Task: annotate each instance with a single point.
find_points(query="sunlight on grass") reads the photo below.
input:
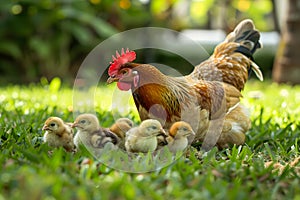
(279, 102)
(34, 98)
(116, 101)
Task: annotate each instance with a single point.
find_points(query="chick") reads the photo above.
(178, 136)
(120, 127)
(161, 140)
(91, 134)
(143, 138)
(58, 134)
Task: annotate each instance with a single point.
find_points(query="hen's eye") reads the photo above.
(52, 124)
(124, 72)
(113, 76)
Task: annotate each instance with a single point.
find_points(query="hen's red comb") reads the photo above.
(127, 56)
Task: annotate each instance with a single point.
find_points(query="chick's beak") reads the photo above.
(189, 133)
(162, 131)
(74, 125)
(111, 80)
(192, 133)
(45, 127)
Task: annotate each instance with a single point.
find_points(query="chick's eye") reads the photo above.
(184, 129)
(154, 127)
(83, 121)
(52, 124)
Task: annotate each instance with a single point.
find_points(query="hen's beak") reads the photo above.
(111, 80)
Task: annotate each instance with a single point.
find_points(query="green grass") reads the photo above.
(29, 172)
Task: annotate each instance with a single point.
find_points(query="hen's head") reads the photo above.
(121, 70)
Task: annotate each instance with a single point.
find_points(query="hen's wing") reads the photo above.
(217, 97)
(216, 100)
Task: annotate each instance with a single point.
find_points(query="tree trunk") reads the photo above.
(287, 63)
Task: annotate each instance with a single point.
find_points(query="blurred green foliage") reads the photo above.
(51, 37)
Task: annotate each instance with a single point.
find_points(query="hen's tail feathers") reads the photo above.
(255, 68)
(246, 34)
(248, 37)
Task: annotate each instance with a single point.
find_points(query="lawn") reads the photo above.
(28, 171)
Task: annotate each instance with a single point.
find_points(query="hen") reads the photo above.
(208, 98)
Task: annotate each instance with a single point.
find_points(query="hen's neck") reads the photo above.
(158, 95)
(150, 75)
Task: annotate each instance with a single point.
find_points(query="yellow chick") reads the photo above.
(90, 134)
(143, 138)
(58, 134)
(120, 127)
(178, 136)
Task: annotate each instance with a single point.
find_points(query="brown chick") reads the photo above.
(91, 134)
(58, 134)
(120, 127)
(143, 138)
(178, 136)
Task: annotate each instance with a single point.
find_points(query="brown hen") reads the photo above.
(208, 98)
